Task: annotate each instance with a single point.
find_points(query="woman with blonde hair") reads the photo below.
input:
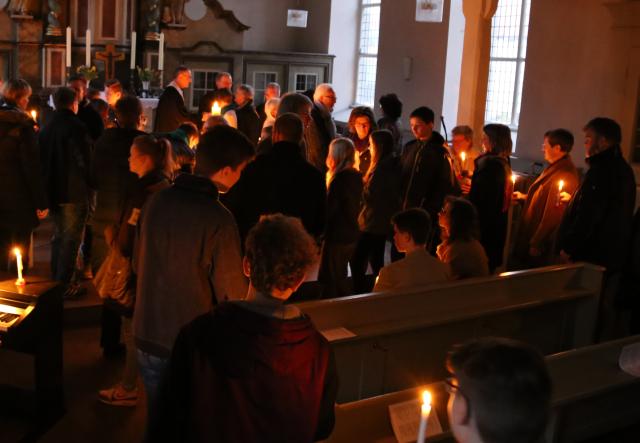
(344, 191)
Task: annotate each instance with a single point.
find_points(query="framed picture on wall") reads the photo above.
(429, 10)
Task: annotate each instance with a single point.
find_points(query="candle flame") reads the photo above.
(216, 109)
(463, 156)
(560, 185)
(426, 398)
(514, 177)
(34, 114)
(16, 252)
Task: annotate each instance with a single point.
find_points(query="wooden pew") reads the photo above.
(591, 397)
(401, 338)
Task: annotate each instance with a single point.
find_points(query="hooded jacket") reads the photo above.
(237, 375)
(22, 190)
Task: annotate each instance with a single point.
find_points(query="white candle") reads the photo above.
(514, 177)
(161, 52)
(463, 158)
(20, 281)
(216, 109)
(425, 411)
(87, 49)
(132, 65)
(68, 49)
(560, 188)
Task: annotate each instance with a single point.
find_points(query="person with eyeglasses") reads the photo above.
(499, 392)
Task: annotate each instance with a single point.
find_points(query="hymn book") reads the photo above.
(405, 421)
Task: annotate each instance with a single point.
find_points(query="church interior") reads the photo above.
(529, 65)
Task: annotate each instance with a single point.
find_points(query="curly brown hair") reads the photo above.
(280, 252)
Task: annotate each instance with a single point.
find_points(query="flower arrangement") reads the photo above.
(146, 74)
(88, 72)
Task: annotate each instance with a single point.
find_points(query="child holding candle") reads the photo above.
(544, 204)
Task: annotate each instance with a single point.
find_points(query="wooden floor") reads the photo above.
(85, 372)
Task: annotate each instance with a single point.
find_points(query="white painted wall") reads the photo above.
(343, 43)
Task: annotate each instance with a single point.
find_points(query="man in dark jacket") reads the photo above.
(22, 196)
(248, 119)
(86, 112)
(597, 225)
(65, 154)
(223, 80)
(187, 257)
(426, 173)
(172, 111)
(254, 370)
(324, 99)
(280, 181)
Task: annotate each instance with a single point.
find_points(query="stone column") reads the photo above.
(474, 75)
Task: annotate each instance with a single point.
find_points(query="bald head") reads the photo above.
(288, 127)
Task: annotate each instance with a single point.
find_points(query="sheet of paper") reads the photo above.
(405, 421)
(629, 360)
(337, 334)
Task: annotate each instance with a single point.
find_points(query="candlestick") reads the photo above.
(161, 52)
(87, 49)
(425, 411)
(132, 65)
(559, 197)
(20, 281)
(68, 47)
(216, 109)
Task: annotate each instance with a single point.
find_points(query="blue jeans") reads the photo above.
(69, 219)
(151, 369)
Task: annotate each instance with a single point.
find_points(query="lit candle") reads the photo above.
(560, 187)
(68, 48)
(514, 177)
(425, 411)
(20, 281)
(161, 52)
(463, 158)
(87, 49)
(132, 65)
(216, 109)
(34, 115)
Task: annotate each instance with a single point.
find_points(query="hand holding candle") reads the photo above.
(514, 177)
(463, 161)
(425, 411)
(216, 109)
(20, 281)
(34, 115)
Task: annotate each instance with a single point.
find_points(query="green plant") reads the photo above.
(88, 72)
(146, 74)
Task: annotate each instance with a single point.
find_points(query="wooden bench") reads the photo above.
(401, 338)
(591, 397)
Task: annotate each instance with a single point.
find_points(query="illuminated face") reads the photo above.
(486, 143)
(460, 143)
(420, 129)
(224, 82)
(271, 92)
(400, 239)
(183, 80)
(362, 126)
(591, 143)
(551, 153)
(328, 99)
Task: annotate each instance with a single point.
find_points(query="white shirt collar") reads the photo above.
(173, 84)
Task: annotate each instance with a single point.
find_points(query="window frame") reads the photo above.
(260, 92)
(309, 74)
(520, 66)
(192, 87)
(363, 6)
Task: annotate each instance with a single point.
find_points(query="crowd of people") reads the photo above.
(199, 233)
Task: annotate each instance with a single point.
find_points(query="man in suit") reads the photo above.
(543, 204)
(248, 119)
(411, 230)
(172, 111)
(324, 99)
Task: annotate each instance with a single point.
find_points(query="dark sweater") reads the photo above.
(343, 205)
(187, 259)
(239, 376)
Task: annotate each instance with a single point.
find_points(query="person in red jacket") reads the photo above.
(257, 369)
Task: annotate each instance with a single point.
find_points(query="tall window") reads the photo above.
(260, 81)
(509, 31)
(368, 52)
(204, 80)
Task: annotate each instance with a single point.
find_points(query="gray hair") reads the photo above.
(321, 90)
(293, 102)
(343, 153)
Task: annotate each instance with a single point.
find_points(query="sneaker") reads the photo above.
(118, 396)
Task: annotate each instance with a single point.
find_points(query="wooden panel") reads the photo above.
(82, 16)
(109, 19)
(56, 68)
